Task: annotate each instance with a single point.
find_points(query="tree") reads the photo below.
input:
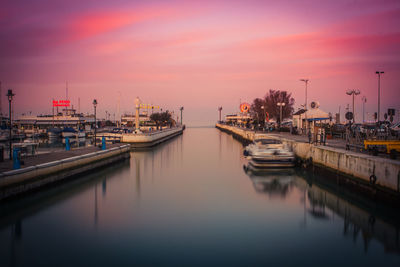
(162, 118)
(273, 98)
(256, 112)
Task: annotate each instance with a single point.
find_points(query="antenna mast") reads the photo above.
(66, 89)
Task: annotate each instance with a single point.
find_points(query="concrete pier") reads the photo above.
(145, 140)
(359, 167)
(48, 168)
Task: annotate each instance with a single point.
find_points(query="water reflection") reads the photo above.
(189, 202)
(271, 182)
(15, 212)
(359, 221)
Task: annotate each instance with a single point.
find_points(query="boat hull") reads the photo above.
(272, 162)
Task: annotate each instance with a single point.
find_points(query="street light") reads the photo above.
(181, 109)
(10, 97)
(364, 100)
(353, 93)
(280, 105)
(95, 123)
(219, 109)
(305, 103)
(379, 92)
(263, 117)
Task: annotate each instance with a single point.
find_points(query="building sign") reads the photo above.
(148, 106)
(244, 107)
(61, 103)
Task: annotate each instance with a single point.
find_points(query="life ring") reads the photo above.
(372, 179)
(244, 107)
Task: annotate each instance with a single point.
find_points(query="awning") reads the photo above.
(317, 119)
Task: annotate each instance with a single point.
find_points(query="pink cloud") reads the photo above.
(91, 24)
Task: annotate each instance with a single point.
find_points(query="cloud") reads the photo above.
(91, 24)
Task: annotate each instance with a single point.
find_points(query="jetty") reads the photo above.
(43, 169)
(150, 139)
(367, 172)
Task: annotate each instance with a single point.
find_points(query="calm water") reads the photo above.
(189, 202)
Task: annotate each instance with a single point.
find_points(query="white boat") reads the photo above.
(269, 153)
(69, 132)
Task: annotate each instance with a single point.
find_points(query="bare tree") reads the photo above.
(271, 104)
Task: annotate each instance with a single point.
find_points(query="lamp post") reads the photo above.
(353, 93)
(10, 97)
(181, 109)
(219, 109)
(305, 103)
(364, 100)
(95, 123)
(263, 117)
(280, 105)
(379, 92)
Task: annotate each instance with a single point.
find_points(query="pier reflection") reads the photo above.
(15, 212)
(360, 220)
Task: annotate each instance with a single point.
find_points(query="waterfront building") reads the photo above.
(237, 119)
(128, 120)
(66, 118)
(305, 119)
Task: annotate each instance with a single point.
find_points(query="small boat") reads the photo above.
(269, 153)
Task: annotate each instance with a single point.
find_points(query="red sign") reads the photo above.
(61, 103)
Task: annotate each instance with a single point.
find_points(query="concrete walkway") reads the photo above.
(336, 143)
(7, 165)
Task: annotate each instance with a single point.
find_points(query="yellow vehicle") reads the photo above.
(391, 147)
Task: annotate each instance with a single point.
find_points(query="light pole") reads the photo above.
(95, 123)
(353, 93)
(379, 92)
(305, 103)
(364, 100)
(220, 109)
(280, 105)
(263, 115)
(10, 97)
(181, 109)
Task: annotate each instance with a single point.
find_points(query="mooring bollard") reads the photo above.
(67, 145)
(103, 143)
(16, 159)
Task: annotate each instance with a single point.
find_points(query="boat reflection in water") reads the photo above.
(362, 219)
(274, 182)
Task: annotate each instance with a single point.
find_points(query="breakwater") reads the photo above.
(46, 170)
(368, 172)
(146, 140)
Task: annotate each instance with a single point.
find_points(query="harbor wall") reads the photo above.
(26, 179)
(151, 139)
(356, 165)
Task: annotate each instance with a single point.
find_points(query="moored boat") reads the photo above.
(269, 153)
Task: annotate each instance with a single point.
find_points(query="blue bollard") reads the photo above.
(16, 159)
(103, 143)
(67, 145)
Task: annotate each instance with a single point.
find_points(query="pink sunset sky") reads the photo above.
(199, 55)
